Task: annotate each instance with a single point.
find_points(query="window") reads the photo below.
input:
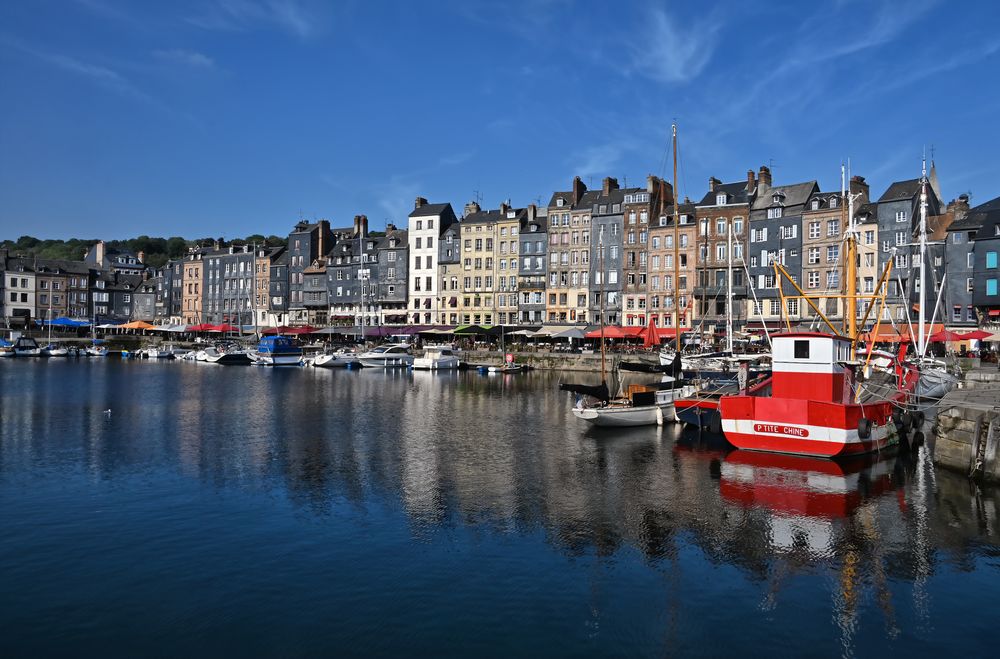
(815, 204)
(737, 225)
(833, 227)
(885, 245)
(720, 199)
(900, 238)
(991, 286)
(832, 277)
(991, 260)
(775, 307)
(759, 235)
(832, 253)
(970, 260)
(801, 349)
(901, 216)
(968, 284)
(813, 279)
(720, 226)
(789, 231)
(869, 237)
(793, 307)
(814, 229)
(773, 213)
(813, 255)
(901, 260)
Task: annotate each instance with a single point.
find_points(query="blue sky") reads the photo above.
(230, 117)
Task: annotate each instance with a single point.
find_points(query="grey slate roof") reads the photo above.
(793, 195)
(736, 193)
(985, 214)
(493, 216)
(429, 209)
(566, 196)
(901, 190)
(866, 214)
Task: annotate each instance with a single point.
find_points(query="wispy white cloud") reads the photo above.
(454, 159)
(190, 58)
(396, 198)
(597, 160)
(668, 52)
(291, 16)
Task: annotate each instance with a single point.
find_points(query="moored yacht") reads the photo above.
(336, 359)
(394, 355)
(437, 358)
(278, 351)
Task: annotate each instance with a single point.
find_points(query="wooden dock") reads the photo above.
(967, 432)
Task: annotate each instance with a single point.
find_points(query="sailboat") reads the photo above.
(636, 404)
(52, 349)
(935, 379)
(822, 402)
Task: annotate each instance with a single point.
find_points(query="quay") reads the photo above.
(967, 429)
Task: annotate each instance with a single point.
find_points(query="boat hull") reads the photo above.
(625, 416)
(280, 359)
(388, 362)
(701, 414)
(443, 364)
(806, 427)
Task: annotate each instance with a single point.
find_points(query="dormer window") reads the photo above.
(776, 199)
(815, 204)
(773, 213)
(833, 202)
(720, 199)
(511, 215)
(560, 202)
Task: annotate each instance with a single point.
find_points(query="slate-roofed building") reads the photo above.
(569, 231)
(639, 207)
(19, 306)
(532, 271)
(724, 210)
(390, 275)
(775, 236)
(866, 224)
(426, 224)
(985, 221)
(100, 257)
(278, 289)
(672, 301)
(350, 271)
(228, 285)
(489, 264)
(450, 273)
(604, 253)
(824, 222)
(898, 221)
(306, 243)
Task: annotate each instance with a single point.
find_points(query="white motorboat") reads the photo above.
(437, 358)
(337, 359)
(6, 349)
(226, 357)
(393, 355)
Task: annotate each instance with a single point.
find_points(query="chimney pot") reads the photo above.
(713, 183)
(609, 185)
(578, 189)
(420, 201)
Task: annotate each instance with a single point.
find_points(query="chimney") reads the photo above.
(215, 245)
(764, 177)
(357, 225)
(504, 207)
(859, 186)
(420, 201)
(652, 183)
(389, 226)
(246, 248)
(99, 253)
(751, 182)
(232, 249)
(713, 183)
(470, 208)
(578, 189)
(609, 185)
(364, 225)
(323, 237)
(532, 212)
(141, 256)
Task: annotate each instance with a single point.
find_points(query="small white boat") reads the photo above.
(226, 357)
(337, 359)
(393, 355)
(935, 379)
(54, 350)
(642, 405)
(6, 349)
(437, 358)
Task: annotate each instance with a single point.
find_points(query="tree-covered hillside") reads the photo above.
(157, 250)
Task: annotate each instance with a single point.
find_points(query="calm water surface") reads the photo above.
(266, 512)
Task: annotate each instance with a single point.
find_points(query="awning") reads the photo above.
(616, 332)
(137, 324)
(994, 312)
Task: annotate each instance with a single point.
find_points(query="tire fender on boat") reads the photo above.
(864, 428)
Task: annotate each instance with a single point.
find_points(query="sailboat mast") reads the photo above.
(729, 291)
(361, 276)
(922, 345)
(600, 268)
(677, 265)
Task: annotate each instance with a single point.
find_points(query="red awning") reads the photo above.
(994, 312)
(616, 332)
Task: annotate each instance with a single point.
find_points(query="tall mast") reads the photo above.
(729, 291)
(677, 265)
(361, 276)
(922, 345)
(600, 269)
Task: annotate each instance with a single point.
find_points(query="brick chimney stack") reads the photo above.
(578, 189)
(751, 182)
(470, 208)
(713, 183)
(99, 252)
(609, 185)
(764, 177)
(504, 207)
(420, 201)
(858, 185)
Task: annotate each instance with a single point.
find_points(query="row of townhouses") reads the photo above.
(611, 250)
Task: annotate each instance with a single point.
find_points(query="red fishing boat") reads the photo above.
(823, 400)
(817, 405)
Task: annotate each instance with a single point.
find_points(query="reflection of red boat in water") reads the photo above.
(801, 486)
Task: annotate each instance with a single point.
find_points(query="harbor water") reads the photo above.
(183, 509)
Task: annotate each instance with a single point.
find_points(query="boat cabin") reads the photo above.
(812, 366)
